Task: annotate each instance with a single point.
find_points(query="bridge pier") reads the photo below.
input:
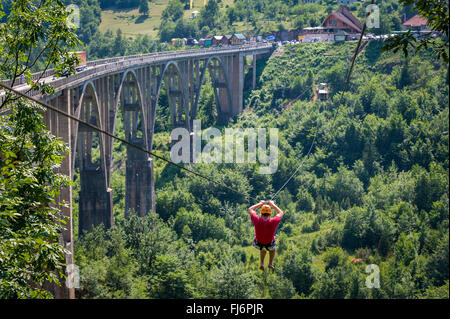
(61, 126)
(254, 73)
(139, 194)
(139, 181)
(95, 201)
(237, 84)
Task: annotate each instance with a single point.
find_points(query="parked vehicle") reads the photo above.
(82, 64)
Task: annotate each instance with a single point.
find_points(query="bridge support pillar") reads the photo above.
(95, 201)
(64, 131)
(61, 126)
(237, 84)
(139, 182)
(254, 73)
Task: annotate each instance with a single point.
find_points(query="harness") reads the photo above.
(266, 246)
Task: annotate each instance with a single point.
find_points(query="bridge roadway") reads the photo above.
(131, 85)
(98, 67)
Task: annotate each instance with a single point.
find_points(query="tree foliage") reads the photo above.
(31, 222)
(31, 255)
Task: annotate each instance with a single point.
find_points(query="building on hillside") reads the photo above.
(340, 36)
(217, 40)
(227, 37)
(207, 42)
(316, 34)
(194, 14)
(238, 39)
(287, 35)
(416, 23)
(342, 20)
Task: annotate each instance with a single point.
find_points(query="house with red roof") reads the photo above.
(416, 23)
(342, 20)
(337, 26)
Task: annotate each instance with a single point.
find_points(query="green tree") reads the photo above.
(436, 14)
(109, 268)
(231, 15)
(230, 281)
(30, 218)
(143, 7)
(209, 14)
(439, 263)
(31, 36)
(297, 268)
(207, 106)
(90, 18)
(333, 284)
(173, 11)
(119, 44)
(280, 287)
(203, 226)
(147, 237)
(405, 75)
(169, 279)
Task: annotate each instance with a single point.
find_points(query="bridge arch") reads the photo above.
(88, 110)
(137, 104)
(94, 199)
(177, 94)
(130, 103)
(216, 86)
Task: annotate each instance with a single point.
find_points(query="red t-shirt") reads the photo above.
(265, 229)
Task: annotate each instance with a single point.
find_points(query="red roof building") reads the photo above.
(416, 23)
(342, 20)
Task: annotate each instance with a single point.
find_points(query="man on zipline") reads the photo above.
(265, 228)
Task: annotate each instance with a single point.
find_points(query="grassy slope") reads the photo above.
(131, 23)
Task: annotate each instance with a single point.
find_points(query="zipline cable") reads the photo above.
(340, 101)
(304, 158)
(95, 128)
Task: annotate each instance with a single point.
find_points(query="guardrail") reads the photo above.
(35, 77)
(114, 64)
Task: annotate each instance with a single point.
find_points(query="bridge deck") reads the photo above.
(98, 68)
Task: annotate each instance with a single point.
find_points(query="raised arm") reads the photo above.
(251, 209)
(277, 209)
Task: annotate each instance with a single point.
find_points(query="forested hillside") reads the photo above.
(168, 19)
(116, 27)
(374, 190)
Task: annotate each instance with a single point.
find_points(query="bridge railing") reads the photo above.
(172, 53)
(35, 77)
(117, 63)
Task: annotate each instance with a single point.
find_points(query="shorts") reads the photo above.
(270, 246)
